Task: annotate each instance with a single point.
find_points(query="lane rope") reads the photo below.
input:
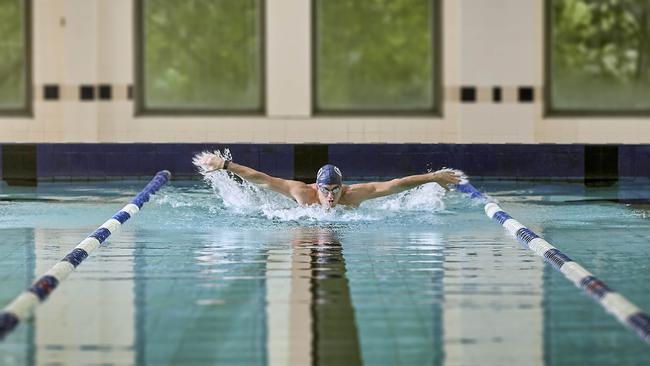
(626, 312)
(22, 306)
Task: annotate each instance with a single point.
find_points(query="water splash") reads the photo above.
(243, 198)
(199, 159)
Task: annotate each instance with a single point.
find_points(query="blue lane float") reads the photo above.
(21, 308)
(614, 303)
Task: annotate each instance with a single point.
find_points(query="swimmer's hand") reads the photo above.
(447, 178)
(208, 162)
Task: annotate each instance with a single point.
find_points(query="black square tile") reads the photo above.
(467, 94)
(526, 94)
(129, 92)
(87, 92)
(496, 94)
(51, 92)
(105, 92)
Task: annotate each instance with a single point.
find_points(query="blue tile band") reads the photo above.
(23, 305)
(626, 312)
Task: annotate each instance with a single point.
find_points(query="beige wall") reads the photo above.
(486, 43)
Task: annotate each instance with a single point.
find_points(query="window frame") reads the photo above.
(549, 110)
(27, 110)
(139, 93)
(436, 65)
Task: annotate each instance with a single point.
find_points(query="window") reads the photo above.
(376, 56)
(199, 56)
(598, 57)
(14, 57)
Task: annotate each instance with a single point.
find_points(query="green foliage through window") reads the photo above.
(375, 55)
(202, 55)
(600, 55)
(13, 63)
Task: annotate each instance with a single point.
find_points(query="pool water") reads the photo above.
(221, 273)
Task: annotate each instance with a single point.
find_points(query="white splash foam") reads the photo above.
(427, 197)
(316, 213)
(244, 198)
(199, 159)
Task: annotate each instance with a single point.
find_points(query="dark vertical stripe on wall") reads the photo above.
(601, 165)
(306, 161)
(19, 164)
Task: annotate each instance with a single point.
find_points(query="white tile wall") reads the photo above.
(485, 43)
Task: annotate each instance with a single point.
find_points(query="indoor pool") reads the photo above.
(219, 273)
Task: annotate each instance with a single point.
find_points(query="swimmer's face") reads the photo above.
(329, 194)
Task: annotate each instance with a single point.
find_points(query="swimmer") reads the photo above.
(329, 190)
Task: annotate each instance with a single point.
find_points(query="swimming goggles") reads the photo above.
(324, 190)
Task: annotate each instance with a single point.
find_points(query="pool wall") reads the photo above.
(64, 162)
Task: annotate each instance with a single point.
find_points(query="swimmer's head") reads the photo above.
(329, 182)
(329, 174)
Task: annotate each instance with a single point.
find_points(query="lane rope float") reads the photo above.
(22, 306)
(625, 311)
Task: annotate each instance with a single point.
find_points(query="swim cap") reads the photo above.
(328, 174)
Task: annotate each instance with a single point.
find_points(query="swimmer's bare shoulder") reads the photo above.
(304, 194)
(353, 194)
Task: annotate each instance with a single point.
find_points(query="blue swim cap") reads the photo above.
(328, 174)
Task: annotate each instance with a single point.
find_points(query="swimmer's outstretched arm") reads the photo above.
(364, 191)
(290, 188)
